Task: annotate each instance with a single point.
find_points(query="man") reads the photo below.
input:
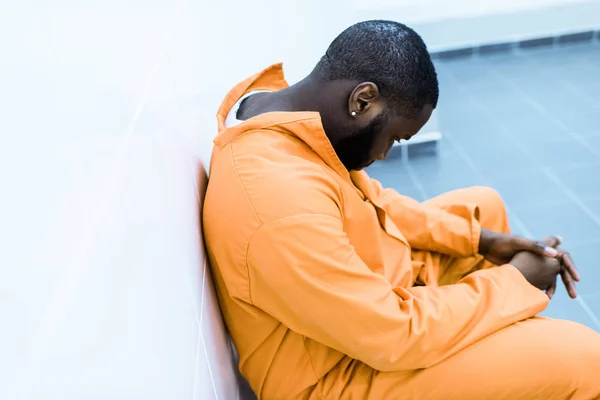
(333, 287)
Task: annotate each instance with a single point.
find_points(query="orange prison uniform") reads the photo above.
(335, 288)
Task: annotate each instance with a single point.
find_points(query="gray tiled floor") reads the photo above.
(528, 124)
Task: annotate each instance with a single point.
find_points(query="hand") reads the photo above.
(540, 271)
(500, 248)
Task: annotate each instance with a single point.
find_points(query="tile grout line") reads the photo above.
(458, 147)
(581, 302)
(572, 196)
(470, 162)
(210, 372)
(566, 84)
(542, 167)
(198, 345)
(534, 103)
(553, 177)
(574, 90)
(588, 311)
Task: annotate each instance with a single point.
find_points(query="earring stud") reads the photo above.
(353, 113)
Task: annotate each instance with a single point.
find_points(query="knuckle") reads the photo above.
(554, 264)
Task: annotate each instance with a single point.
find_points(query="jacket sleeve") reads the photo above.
(453, 230)
(304, 272)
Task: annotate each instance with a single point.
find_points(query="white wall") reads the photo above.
(453, 24)
(221, 44)
(107, 109)
(417, 11)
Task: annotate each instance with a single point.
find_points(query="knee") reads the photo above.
(587, 357)
(579, 362)
(492, 209)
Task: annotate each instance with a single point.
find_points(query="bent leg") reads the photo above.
(441, 269)
(534, 359)
(492, 210)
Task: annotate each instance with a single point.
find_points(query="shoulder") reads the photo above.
(280, 176)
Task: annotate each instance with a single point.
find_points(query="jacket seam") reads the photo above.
(310, 361)
(235, 168)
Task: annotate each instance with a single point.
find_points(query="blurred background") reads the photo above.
(108, 110)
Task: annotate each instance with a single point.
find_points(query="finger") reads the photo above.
(569, 265)
(552, 241)
(551, 290)
(544, 247)
(569, 283)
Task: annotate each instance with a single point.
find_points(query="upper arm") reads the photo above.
(305, 273)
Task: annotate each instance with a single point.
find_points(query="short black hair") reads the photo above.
(389, 54)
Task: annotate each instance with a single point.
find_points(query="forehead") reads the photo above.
(410, 125)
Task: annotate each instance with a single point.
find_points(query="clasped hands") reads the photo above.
(540, 262)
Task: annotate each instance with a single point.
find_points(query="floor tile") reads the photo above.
(592, 139)
(484, 138)
(526, 105)
(502, 161)
(534, 127)
(528, 190)
(581, 120)
(454, 119)
(393, 174)
(567, 220)
(465, 180)
(398, 179)
(583, 181)
(390, 171)
(558, 154)
(593, 205)
(436, 168)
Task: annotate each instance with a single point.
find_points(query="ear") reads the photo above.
(362, 98)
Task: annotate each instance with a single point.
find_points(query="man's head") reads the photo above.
(381, 87)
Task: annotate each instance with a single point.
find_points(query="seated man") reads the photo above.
(333, 287)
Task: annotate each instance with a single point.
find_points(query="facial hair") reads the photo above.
(355, 149)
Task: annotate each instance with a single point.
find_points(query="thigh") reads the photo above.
(536, 359)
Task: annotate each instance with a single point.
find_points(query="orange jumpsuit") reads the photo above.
(335, 288)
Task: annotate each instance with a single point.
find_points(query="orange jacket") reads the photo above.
(313, 263)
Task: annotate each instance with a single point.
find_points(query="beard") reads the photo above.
(355, 149)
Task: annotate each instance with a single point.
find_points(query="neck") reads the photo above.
(302, 96)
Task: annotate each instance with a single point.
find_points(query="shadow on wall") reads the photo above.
(221, 357)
